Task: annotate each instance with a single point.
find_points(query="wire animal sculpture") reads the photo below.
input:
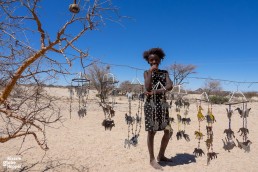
(109, 89)
(80, 88)
(108, 124)
(244, 113)
(108, 100)
(229, 143)
(134, 122)
(198, 152)
(198, 134)
(181, 105)
(210, 119)
(238, 98)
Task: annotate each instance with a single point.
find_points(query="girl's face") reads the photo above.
(154, 60)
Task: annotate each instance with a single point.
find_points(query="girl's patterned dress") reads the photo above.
(156, 114)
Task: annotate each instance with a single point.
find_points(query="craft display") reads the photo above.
(80, 88)
(134, 122)
(108, 100)
(237, 98)
(182, 104)
(198, 134)
(210, 119)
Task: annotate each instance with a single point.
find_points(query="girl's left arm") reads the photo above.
(169, 83)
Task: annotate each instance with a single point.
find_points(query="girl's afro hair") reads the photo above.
(157, 51)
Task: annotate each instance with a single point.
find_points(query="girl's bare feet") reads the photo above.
(155, 165)
(163, 158)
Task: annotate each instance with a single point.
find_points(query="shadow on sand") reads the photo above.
(179, 159)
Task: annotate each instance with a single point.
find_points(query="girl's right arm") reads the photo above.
(148, 80)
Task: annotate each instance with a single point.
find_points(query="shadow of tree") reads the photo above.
(51, 165)
(179, 159)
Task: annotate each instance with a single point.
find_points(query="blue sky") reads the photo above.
(220, 37)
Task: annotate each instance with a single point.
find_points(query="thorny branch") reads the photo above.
(25, 63)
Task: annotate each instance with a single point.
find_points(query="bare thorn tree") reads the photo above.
(96, 74)
(31, 55)
(125, 86)
(212, 87)
(180, 72)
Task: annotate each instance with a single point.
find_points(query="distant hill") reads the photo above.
(199, 90)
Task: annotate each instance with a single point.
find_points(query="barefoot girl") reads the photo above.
(156, 118)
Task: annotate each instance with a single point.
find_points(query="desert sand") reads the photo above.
(84, 145)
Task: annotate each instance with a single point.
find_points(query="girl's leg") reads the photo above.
(163, 146)
(150, 143)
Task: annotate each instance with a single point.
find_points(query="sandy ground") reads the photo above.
(84, 145)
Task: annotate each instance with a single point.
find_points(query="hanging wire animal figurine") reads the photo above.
(181, 104)
(109, 89)
(198, 134)
(210, 119)
(229, 132)
(238, 98)
(108, 122)
(134, 122)
(229, 143)
(246, 143)
(209, 141)
(107, 102)
(80, 88)
(200, 115)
